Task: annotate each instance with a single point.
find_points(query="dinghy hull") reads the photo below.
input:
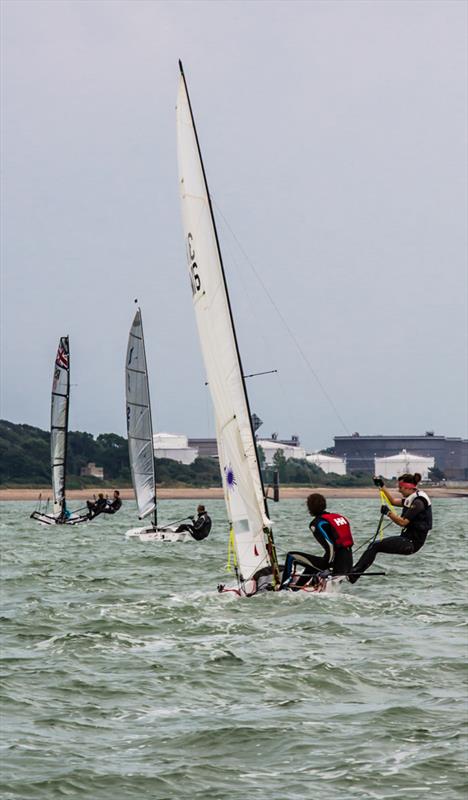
(327, 585)
(151, 534)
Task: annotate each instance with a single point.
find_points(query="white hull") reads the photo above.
(49, 519)
(324, 586)
(151, 534)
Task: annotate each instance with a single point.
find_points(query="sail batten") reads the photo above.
(242, 481)
(139, 422)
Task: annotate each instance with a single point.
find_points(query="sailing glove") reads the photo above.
(378, 482)
(384, 510)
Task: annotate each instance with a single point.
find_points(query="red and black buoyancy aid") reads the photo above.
(342, 529)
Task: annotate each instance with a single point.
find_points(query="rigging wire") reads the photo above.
(266, 346)
(283, 320)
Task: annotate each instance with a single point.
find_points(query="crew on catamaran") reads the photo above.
(103, 506)
(333, 533)
(200, 527)
(416, 521)
(114, 505)
(97, 506)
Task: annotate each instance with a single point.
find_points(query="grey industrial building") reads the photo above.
(208, 448)
(450, 453)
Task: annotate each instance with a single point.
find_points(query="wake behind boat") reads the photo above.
(140, 441)
(60, 402)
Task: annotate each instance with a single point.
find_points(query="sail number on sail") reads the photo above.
(194, 276)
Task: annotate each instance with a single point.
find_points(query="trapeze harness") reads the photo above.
(420, 524)
(333, 533)
(417, 509)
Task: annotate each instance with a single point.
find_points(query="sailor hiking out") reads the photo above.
(97, 506)
(415, 519)
(200, 527)
(333, 533)
(104, 506)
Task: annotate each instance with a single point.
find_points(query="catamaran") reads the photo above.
(60, 402)
(250, 535)
(140, 441)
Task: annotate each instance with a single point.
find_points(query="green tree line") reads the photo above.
(25, 460)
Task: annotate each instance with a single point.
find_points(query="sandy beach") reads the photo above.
(214, 493)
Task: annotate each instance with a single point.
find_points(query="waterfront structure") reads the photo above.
(393, 466)
(290, 449)
(208, 448)
(450, 453)
(92, 471)
(175, 446)
(329, 464)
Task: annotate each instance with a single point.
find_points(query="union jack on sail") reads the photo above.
(62, 354)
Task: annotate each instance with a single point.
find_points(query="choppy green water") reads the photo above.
(126, 676)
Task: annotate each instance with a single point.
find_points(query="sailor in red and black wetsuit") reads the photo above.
(333, 533)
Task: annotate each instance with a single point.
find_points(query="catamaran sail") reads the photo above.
(59, 423)
(139, 425)
(60, 402)
(242, 481)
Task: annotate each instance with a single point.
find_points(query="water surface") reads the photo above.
(125, 675)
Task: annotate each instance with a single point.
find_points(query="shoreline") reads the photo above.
(216, 493)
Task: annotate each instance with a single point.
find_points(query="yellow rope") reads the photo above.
(231, 551)
(385, 501)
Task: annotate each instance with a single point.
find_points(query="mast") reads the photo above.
(139, 421)
(226, 289)
(67, 413)
(155, 510)
(59, 412)
(244, 491)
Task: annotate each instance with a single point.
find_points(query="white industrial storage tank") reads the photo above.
(393, 466)
(174, 446)
(271, 447)
(328, 463)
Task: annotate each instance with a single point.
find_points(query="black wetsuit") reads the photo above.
(200, 528)
(336, 558)
(97, 507)
(112, 508)
(411, 539)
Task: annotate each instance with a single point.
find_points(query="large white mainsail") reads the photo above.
(59, 423)
(139, 424)
(242, 482)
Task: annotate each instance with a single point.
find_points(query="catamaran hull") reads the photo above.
(158, 535)
(49, 519)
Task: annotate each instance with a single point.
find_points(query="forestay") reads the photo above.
(59, 423)
(243, 490)
(139, 425)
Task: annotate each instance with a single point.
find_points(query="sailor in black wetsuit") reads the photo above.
(114, 506)
(333, 533)
(200, 527)
(416, 521)
(96, 507)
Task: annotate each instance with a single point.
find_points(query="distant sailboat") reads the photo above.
(140, 440)
(60, 402)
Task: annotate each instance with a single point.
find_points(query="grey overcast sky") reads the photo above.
(334, 139)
